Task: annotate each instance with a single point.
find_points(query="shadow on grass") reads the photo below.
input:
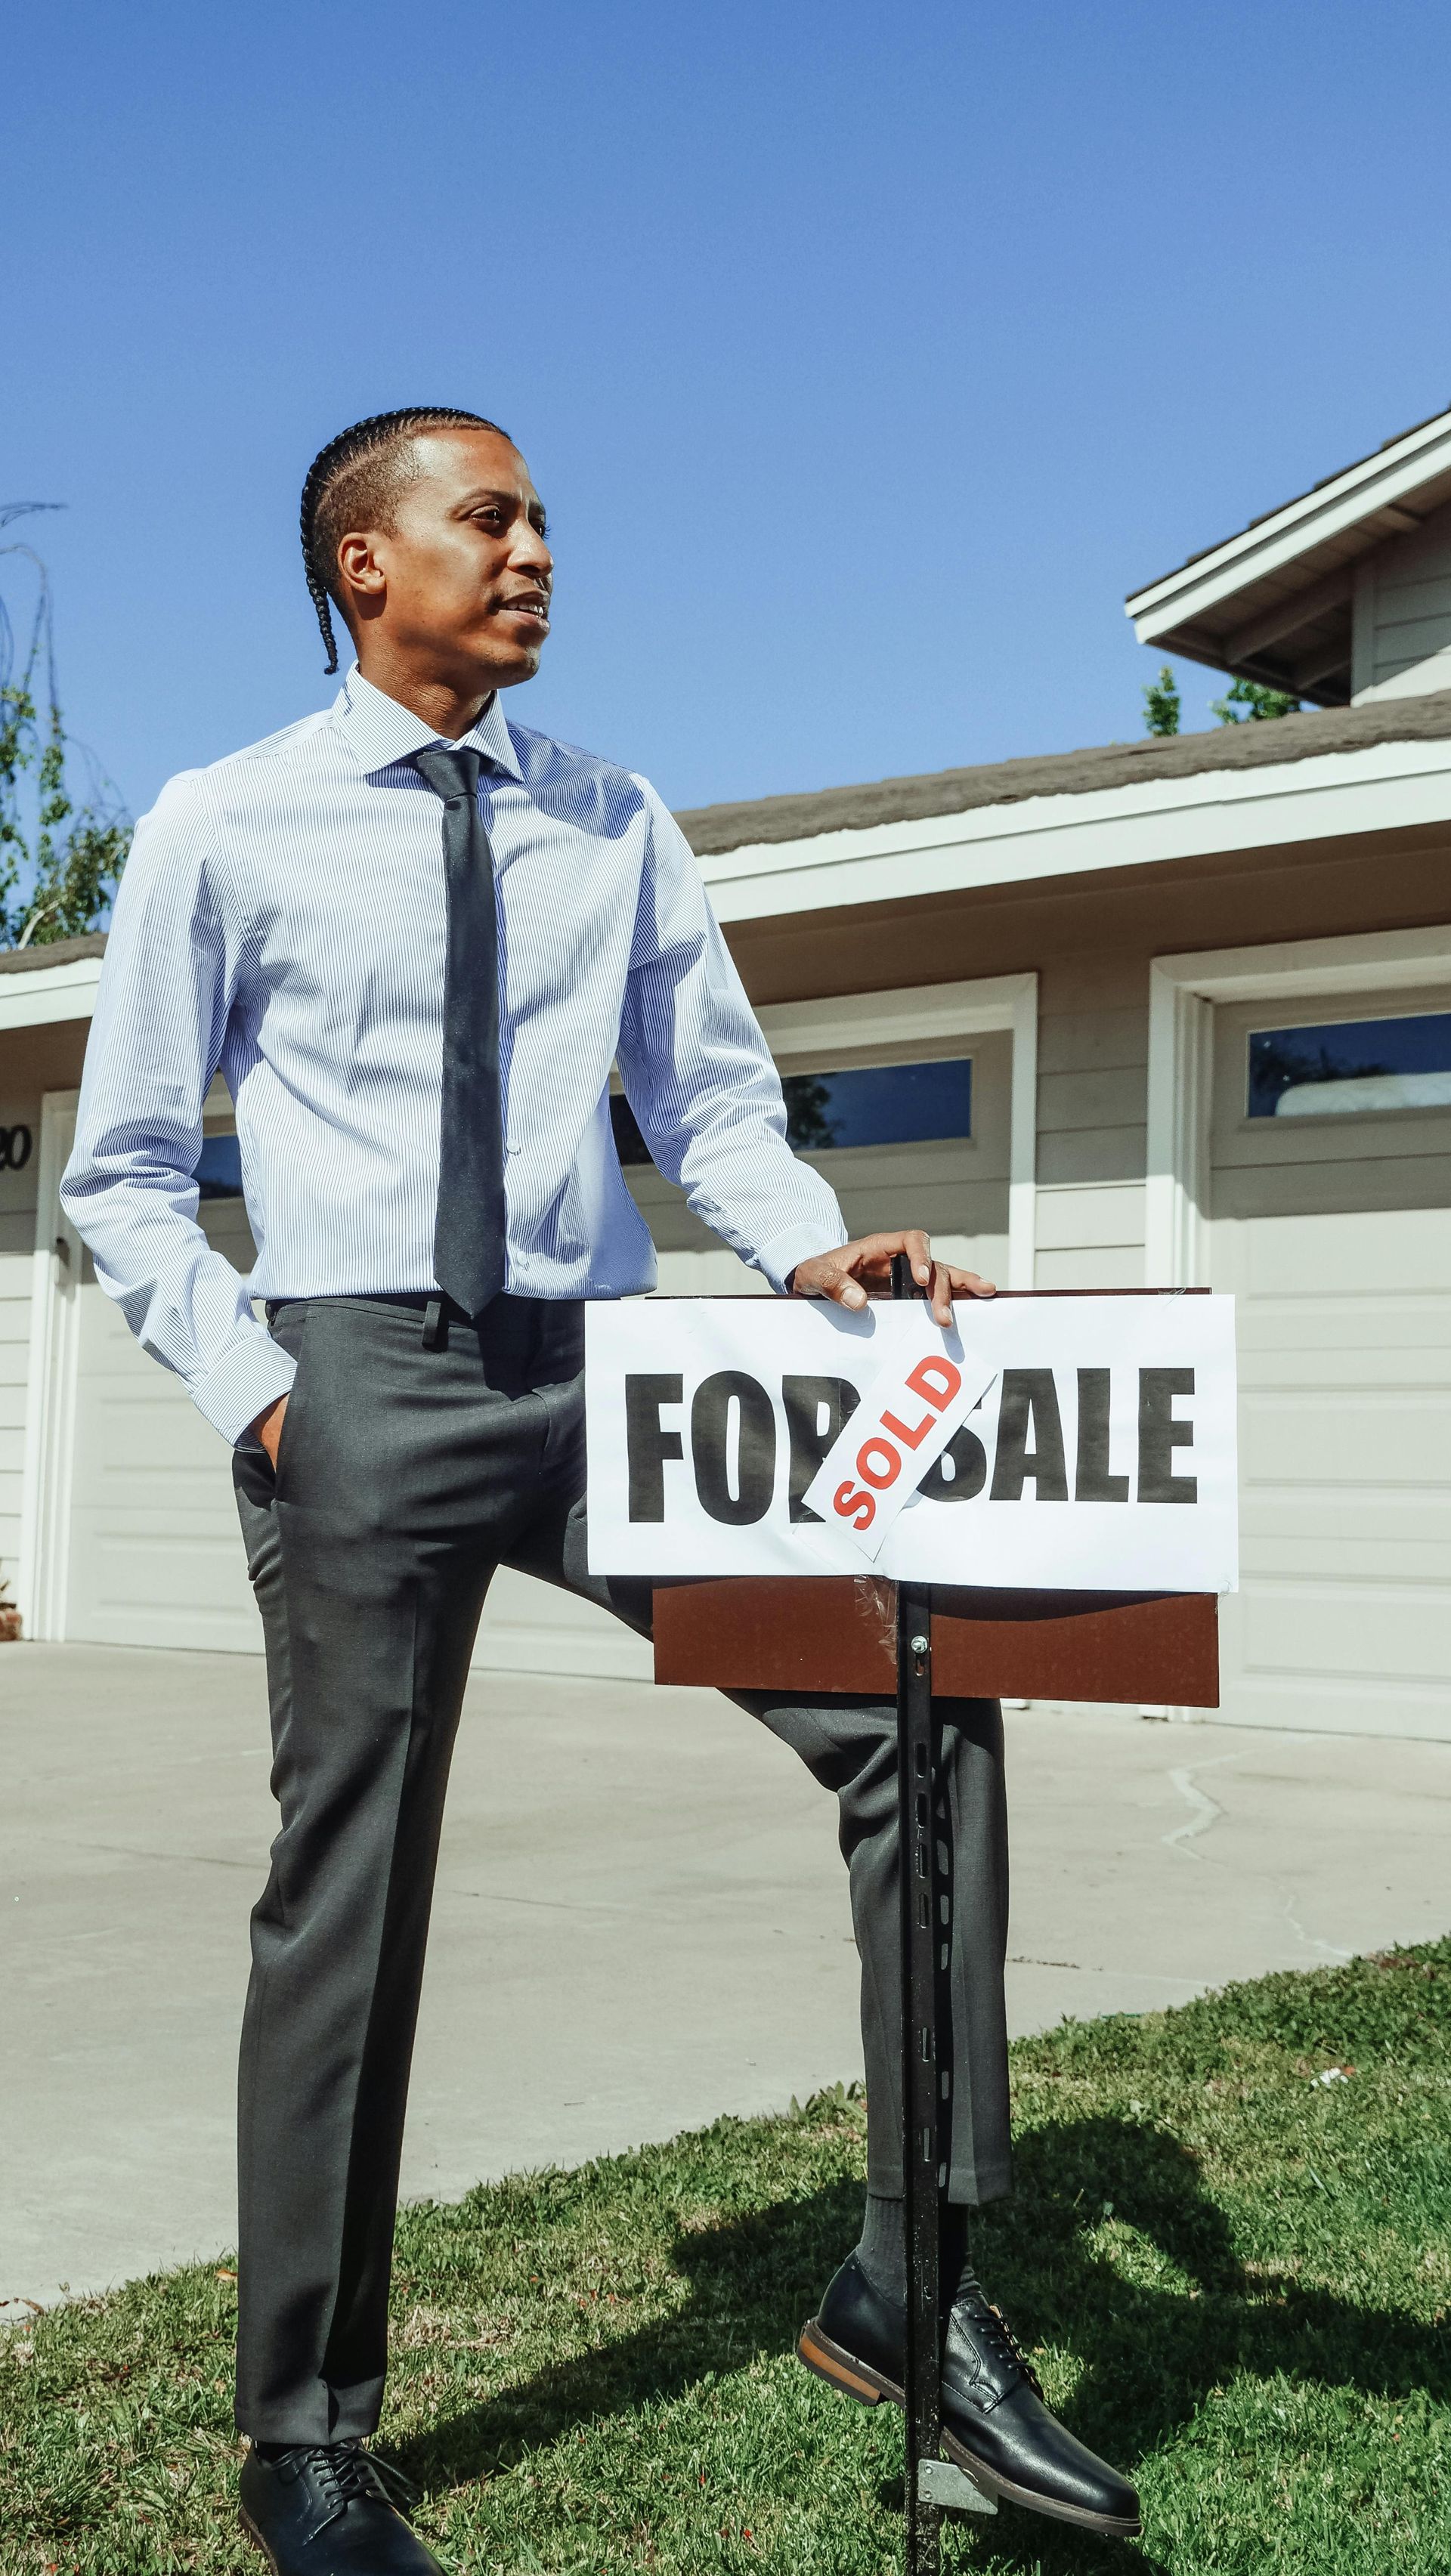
(1148, 2356)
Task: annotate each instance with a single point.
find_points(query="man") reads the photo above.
(414, 937)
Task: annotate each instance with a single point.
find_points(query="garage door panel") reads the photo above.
(1334, 1188)
(1384, 1561)
(1401, 1135)
(1118, 1265)
(1340, 1443)
(875, 1186)
(156, 1556)
(1379, 1337)
(1348, 1630)
(1396, 1544)
(1277, 1517)
(1333, 1705)
(1307, 1258)
(943, 1209)
(128, 1432)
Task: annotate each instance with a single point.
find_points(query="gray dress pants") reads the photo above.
(405, 1476)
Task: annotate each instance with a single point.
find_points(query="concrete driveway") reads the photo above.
(641, 1920)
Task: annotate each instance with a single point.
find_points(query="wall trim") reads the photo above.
(1182, 994)
(974, 1008)
(1153, 822)
(45, 993)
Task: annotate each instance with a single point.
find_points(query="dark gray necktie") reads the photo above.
(469, 1235)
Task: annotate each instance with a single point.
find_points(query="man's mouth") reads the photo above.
(533, 605)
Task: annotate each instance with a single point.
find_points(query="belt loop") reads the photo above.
(435, 1324)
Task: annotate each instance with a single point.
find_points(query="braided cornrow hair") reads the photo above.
(376, 444)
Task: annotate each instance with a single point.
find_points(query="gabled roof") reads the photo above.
(1274, 602)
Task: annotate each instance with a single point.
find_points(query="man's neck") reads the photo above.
(434, 703)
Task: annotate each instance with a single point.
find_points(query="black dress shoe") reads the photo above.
(995, 2426)
(324, 2509)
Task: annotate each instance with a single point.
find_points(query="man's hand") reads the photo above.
(268, 1427)
(858, 1270)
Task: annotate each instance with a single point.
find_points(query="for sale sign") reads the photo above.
(1067, 1443)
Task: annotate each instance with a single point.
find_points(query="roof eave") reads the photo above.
(1373, 486)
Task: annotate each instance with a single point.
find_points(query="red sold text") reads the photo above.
(890, 1441)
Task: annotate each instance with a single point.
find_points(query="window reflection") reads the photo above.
(1345, 1066)
(219, 1171)
(877, 1104)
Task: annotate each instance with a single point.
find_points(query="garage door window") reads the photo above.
(219, 1168)
(877, 1104)
(1344, 1067)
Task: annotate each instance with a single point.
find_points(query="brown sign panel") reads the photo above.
(833, 1633)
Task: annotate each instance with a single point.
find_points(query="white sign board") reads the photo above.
(1060, 1443)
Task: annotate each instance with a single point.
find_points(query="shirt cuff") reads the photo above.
(251, 1374)
(779, 1257)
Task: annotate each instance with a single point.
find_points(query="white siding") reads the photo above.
(1403, 613)
(1093, 1039)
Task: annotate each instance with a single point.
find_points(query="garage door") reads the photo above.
(1331, 1224)
(155, 1553)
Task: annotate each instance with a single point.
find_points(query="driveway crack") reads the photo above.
(1207, 1810)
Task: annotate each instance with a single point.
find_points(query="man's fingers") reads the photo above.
(842, 1287)
(843, 1275)
(829, 1275)
(919, 1253)
(268, 1426)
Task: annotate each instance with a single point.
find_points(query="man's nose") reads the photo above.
(529, 553)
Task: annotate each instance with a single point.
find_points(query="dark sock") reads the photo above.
(272, 2450)
(882, 2251)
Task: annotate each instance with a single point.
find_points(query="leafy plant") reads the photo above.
(1162, 704)
(61, 855)
(810, 1127)
(1261, 705)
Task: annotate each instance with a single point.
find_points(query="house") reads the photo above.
(1188, 1002)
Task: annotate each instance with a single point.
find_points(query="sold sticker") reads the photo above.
(905, 1420)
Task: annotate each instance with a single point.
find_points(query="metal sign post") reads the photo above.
(931, 2482)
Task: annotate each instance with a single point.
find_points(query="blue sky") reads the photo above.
(864, 356)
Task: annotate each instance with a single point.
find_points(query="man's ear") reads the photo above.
(363, 580)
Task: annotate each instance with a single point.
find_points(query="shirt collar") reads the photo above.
(379, 732)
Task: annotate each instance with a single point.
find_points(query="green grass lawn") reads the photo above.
(1236, 2279)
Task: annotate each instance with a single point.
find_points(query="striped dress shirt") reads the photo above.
(283, 919)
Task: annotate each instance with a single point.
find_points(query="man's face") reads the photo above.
(460, 586)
